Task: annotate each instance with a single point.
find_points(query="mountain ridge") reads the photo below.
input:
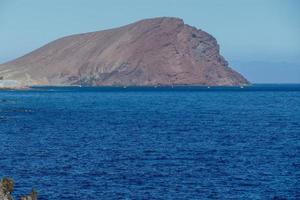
(157, 51)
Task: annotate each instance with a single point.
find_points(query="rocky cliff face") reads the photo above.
(160, 51)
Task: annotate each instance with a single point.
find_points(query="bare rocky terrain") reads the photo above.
(159, 51)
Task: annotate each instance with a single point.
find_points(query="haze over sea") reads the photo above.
(152, 143)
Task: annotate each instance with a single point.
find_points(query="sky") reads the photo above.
(248, 31)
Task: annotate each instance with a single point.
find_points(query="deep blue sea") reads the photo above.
(152, 143)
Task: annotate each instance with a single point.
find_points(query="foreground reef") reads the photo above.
(7, 188)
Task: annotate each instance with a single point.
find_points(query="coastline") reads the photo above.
(181, 88)
(18, 86)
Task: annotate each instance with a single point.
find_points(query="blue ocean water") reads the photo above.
(152, 143)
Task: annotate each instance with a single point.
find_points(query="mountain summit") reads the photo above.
(159, 51)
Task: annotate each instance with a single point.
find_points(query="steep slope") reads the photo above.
(159, 51)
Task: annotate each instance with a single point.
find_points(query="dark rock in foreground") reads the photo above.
(159, 51)
(31, 196)
(7, 188)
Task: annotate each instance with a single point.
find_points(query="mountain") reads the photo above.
(159, 51)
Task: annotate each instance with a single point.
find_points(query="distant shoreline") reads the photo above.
(18, 86)
(177, 88)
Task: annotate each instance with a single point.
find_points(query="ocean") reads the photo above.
(152, 143)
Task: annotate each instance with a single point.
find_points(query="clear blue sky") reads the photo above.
(247, 30)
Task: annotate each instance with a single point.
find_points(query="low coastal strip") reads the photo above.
(11, 84)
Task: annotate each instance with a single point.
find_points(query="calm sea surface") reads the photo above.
(153, 143)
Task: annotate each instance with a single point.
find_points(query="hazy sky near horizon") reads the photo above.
(247, 30)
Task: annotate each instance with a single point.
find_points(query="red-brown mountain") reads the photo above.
(159, 51)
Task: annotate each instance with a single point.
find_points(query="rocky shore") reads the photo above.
(7, 188)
